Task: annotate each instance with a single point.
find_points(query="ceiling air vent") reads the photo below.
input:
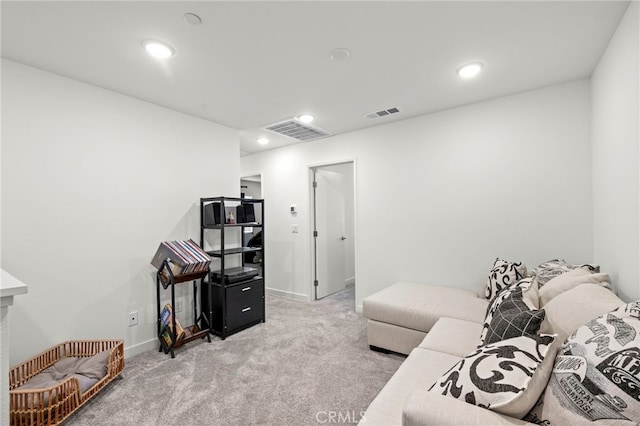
(296, 130)
(383, 113)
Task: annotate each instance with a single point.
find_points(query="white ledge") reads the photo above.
(10, 286)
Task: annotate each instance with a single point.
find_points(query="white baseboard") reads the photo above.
(287, 294)
(351, 280)
(141, 347)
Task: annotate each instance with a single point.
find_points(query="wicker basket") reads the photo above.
(50, 406)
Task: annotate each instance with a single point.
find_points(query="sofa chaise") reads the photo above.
(437, 327)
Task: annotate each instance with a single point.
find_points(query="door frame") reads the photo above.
(311, 198)
(264, 241)
(248, 175)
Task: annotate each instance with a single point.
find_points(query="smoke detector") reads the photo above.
(296, 130)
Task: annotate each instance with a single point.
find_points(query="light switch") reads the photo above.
(294, 228)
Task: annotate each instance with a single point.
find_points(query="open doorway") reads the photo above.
(333, 226)
(251, 187)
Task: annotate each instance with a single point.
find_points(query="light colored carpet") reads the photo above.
(307, 361)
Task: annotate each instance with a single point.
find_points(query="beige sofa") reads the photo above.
(438, 326)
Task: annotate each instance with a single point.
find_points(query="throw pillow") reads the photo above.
(524, 284)
(512, 318)
(571, 309)
(502, 275)
(552, 268)
(499, 376)
(596, 375)
(571, 279)
(530, 294)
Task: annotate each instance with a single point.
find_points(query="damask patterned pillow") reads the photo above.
(499, 376)
(512, 318)
(596, 375)
(530, 294)
(502, 275)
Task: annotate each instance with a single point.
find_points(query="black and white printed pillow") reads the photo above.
(512, 318)
(492, 308)
(596, 375)
(497, 376)
(502, 275)
(515, 306)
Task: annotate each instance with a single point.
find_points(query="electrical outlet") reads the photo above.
(133, 318)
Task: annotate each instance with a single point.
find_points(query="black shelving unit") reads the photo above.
(231, 307)
(192, 332)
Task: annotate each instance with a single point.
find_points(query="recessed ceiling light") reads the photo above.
(339, 54)
(306, 118)
(470, 70)
(158, 49)
(263, 141)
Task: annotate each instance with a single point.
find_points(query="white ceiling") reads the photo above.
(251, 64)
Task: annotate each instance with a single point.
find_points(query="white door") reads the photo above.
(330, 236)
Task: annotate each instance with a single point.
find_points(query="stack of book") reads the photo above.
(183, 257)
(167, 332)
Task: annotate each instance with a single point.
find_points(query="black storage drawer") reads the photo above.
(242, 304)
(245, 304)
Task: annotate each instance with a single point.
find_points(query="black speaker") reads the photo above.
(249, 213)
(240, 218)
(213, 214)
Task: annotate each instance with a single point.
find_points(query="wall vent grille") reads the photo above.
(296, 130)
(383, 113)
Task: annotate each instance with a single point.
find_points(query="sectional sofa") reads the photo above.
(440, 330)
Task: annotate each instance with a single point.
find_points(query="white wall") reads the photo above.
(440, 196)
(92, 182)
(616, 136)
